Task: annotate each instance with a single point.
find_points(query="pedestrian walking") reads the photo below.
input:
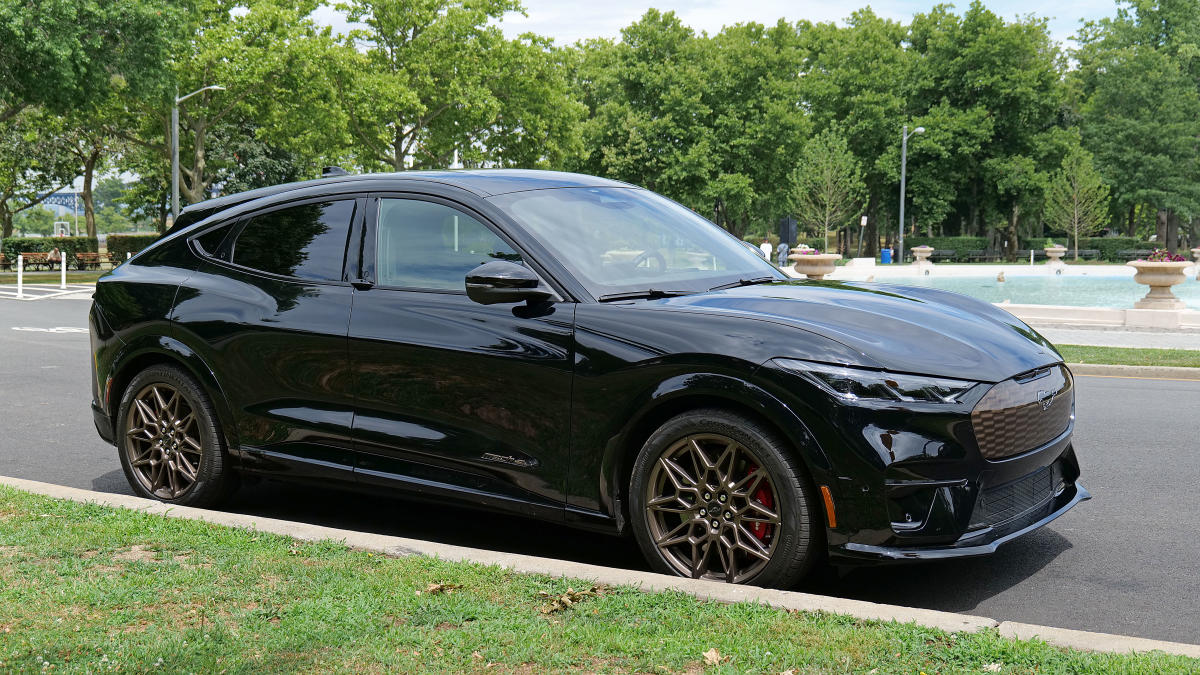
(766, 248)
(781, 254)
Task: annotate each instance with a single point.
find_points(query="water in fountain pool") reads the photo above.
(1078, 291)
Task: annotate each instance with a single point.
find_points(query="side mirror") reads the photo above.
(501, 281)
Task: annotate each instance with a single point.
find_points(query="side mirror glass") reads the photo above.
(501, 281)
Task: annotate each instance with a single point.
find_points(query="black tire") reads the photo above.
(791, 547)
(188, 467)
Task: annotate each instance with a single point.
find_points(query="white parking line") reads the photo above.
(57, 329)
(44, 291)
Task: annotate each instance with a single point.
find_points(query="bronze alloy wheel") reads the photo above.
(712, 509)
(163, 442)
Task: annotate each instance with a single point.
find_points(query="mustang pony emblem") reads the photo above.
(1046, 398)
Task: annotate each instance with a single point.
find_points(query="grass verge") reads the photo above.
(52, 277)
(1125, 356)
(85, 588)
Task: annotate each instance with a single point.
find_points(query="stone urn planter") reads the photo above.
(1055, 254)
(1160, 277)
(813, 265)
(1196, 255)
(921, 255)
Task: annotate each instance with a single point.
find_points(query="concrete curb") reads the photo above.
(648, 581)
(1150, 372)
(1093, 642)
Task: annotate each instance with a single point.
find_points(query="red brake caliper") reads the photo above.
(763, 496)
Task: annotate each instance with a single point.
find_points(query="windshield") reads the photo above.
(618, 240)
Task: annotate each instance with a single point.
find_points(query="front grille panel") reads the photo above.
(1003, 503)
(1023, 413)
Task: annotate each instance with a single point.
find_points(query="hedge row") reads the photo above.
(1110, 247)
(959, 244)
(14, 246)
(121, 244)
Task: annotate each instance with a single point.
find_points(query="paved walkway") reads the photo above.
(1122, 337)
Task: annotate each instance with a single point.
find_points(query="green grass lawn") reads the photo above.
(85, 588)
(73, 277)
(1124, 356)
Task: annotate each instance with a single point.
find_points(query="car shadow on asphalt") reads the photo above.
(947, 585)
(952, 585)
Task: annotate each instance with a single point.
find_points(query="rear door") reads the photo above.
(270, 307)
(454, 397)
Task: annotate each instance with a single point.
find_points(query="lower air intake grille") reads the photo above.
(1003, 503)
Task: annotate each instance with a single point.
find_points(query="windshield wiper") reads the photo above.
(650, 293)
(745, 282)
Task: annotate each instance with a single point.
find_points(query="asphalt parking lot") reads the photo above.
(1124, 562)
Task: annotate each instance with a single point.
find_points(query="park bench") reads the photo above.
(1133, 254)
(5, 262)
(982, 255)
(115, 258)
(35, 260)
(1089, 253)
(1038, 254)
(942, 254)
(87, 261)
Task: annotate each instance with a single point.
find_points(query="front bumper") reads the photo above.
(103, 424)
(983, 542)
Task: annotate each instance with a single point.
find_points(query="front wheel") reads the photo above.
(169, 441)
(715, 495)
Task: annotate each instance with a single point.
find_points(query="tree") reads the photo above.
(426, 81)
(855, 78)
(1077, 198)
(1139, 85)
(34, 163)
(35, 221)
(64, 54)
(267, 54)
(828, 184)
(647, 114)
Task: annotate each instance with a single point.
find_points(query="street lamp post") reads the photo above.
(175, 145)
(903, 175)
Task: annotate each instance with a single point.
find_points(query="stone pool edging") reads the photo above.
(1104, 316)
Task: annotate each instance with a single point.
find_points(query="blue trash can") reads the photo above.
(885, 256)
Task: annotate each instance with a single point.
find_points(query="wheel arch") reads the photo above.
(164, 350)
(697, 391)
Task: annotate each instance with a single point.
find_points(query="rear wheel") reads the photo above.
(169, 441)
(714, 495)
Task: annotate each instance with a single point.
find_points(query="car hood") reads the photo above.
(898, 328)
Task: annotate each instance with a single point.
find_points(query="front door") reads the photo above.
(454, 397)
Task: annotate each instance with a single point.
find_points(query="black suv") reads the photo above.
(583, 351)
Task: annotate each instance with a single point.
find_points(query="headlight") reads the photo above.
(858, 384)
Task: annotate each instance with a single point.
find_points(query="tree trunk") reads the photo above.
(871, 236)
(1160, 228)
(6, 221)
(89, 210)
(1011, 254)
(194, 189)
(973, 217)
(1131, 224)
(1172, 242)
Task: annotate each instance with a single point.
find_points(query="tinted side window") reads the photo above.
(307, 241)
(426, 245)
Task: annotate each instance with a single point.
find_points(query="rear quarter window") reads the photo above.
(306, 241)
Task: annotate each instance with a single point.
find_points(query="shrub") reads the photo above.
(121, 244)
(1109, 247)
(960, 245)
(13, 246)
